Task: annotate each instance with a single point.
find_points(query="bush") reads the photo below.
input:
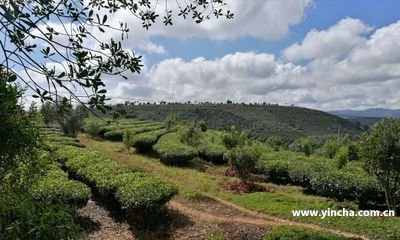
(298, 233)
(330, 148)
(233, 138)
(321, 176)
(55, 186)
(92, 127)
(212, 152)
(130, 188)
(244, 160)
(114, 135)
(23, 217)
(173, 151)
(143, 142)
(141, 191)
(342, 157)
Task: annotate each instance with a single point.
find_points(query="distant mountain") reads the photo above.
(368, 113)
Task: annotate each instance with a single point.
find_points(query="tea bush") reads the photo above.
(143, 142)
(173, 151)
(321, 176)
(55, 186)
(129, 187)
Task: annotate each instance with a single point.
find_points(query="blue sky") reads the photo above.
(321, 15)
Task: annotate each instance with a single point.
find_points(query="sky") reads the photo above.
(322, 54)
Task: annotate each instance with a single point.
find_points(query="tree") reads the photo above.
(115, 115)
(306, 147)
(58, 40)
(18, 135)
(203, 125)
(72, 120)
(380, 150)
(170, 121)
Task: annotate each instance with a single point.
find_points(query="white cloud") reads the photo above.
(333, 42)
(366, 75)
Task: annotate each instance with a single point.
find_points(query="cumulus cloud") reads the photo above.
(333, 42)
(264, 19)
(366, 75)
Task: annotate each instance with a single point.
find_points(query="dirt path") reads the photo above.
(255, 218)
(188, 219)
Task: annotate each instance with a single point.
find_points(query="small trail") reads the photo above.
(253, 218)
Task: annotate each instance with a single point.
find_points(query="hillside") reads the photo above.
(261, 121)
(368, 113)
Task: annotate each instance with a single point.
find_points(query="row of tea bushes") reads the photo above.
(143, 142)
(130, 188)
(321, 176)
(114, 130)
(117, 135)
(55, 186)
(173, 151)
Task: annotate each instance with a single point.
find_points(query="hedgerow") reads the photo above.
(143, 142)
(321, 176)
(55, 186)
(173, 151)
(130, 188)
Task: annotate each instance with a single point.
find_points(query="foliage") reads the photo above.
(18, 134)
(170, 122)
(130, 188)
(381, 153)
(243, 159)
(71, 119)
(139, 190)
(234, 138)
(74, 65)
(92, 128)
(288, 232)
(23, 217)
(173, 151)
(342, 156)
(330, 148)
(143, 142)
(115, 115)
(203, 125)
(190, 135)
(56, 186)
(321, 176)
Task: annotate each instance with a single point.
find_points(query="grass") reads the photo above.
(279, 202)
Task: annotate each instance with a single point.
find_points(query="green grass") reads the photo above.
(280, 201)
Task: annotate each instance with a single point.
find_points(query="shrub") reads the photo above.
(141, 191)
(130, 188)
(173, 151)
(298, 233)
(342, 156)
(244, 160)
(92, 127)
(143, 142)
(330, 148)
(233, 138)
(203, 125)
(55, 186)
(114, 135)
(212, 152)
(23, 217)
